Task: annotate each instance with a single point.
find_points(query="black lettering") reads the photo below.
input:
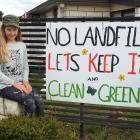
(62, 36)
(117, 33)
(109, 31)
(128, 36)
(134, 39)
(99, 63)
(97, 34)
(76, 43)
(113, 63)
(90, 36)
(53, 39)
(76, 64)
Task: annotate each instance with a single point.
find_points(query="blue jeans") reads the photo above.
(31, 102)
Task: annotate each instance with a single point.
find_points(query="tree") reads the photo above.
(1, 14)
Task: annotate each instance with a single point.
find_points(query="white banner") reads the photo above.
(93, 62)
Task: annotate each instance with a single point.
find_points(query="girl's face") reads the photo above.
(11, 33)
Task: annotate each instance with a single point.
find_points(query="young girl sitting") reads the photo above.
(14, 70)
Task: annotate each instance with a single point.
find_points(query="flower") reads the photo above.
(84, 51)
(121, 77)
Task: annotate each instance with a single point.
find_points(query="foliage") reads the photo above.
(1, 14)
(108, 133)
(23, 128)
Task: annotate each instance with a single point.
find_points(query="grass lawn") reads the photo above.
(109, 133)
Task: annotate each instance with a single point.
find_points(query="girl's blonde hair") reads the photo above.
(3, 50)
(3, 44)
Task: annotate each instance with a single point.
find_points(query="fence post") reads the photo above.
(81, 121)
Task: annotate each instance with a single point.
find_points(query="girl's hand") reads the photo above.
(19, 86)
(27, 86)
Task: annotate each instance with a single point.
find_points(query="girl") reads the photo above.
(14, 69)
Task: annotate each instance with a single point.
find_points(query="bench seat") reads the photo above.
(9, 107)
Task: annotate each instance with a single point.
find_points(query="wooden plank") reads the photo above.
(34, 35)
(36, 47)
(33, 30)
(34, 41)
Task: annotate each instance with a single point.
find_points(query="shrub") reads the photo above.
(23, 128)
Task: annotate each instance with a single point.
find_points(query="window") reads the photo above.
(35, 15)
(55, 12)
(124, 13)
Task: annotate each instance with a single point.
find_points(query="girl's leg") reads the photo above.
(25, 99)
(39, 102)
(29, 104)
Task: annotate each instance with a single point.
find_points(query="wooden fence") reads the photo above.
(34, 35)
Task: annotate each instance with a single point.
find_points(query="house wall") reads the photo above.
(49, 14)
(72, 11)
(85, 11)
(118, 7)
(137, 12)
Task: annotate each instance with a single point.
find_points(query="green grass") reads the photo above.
(108, 133)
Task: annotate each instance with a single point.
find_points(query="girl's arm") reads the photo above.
(5, 79)
(25, 65)
(26, 72)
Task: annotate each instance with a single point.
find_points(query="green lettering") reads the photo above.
(117, 93)
(99, 93)
(77, 91)
(112, 92)
(65, 90)
(81, 92)
(49, 88)
(123, 94)
(133, 94)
